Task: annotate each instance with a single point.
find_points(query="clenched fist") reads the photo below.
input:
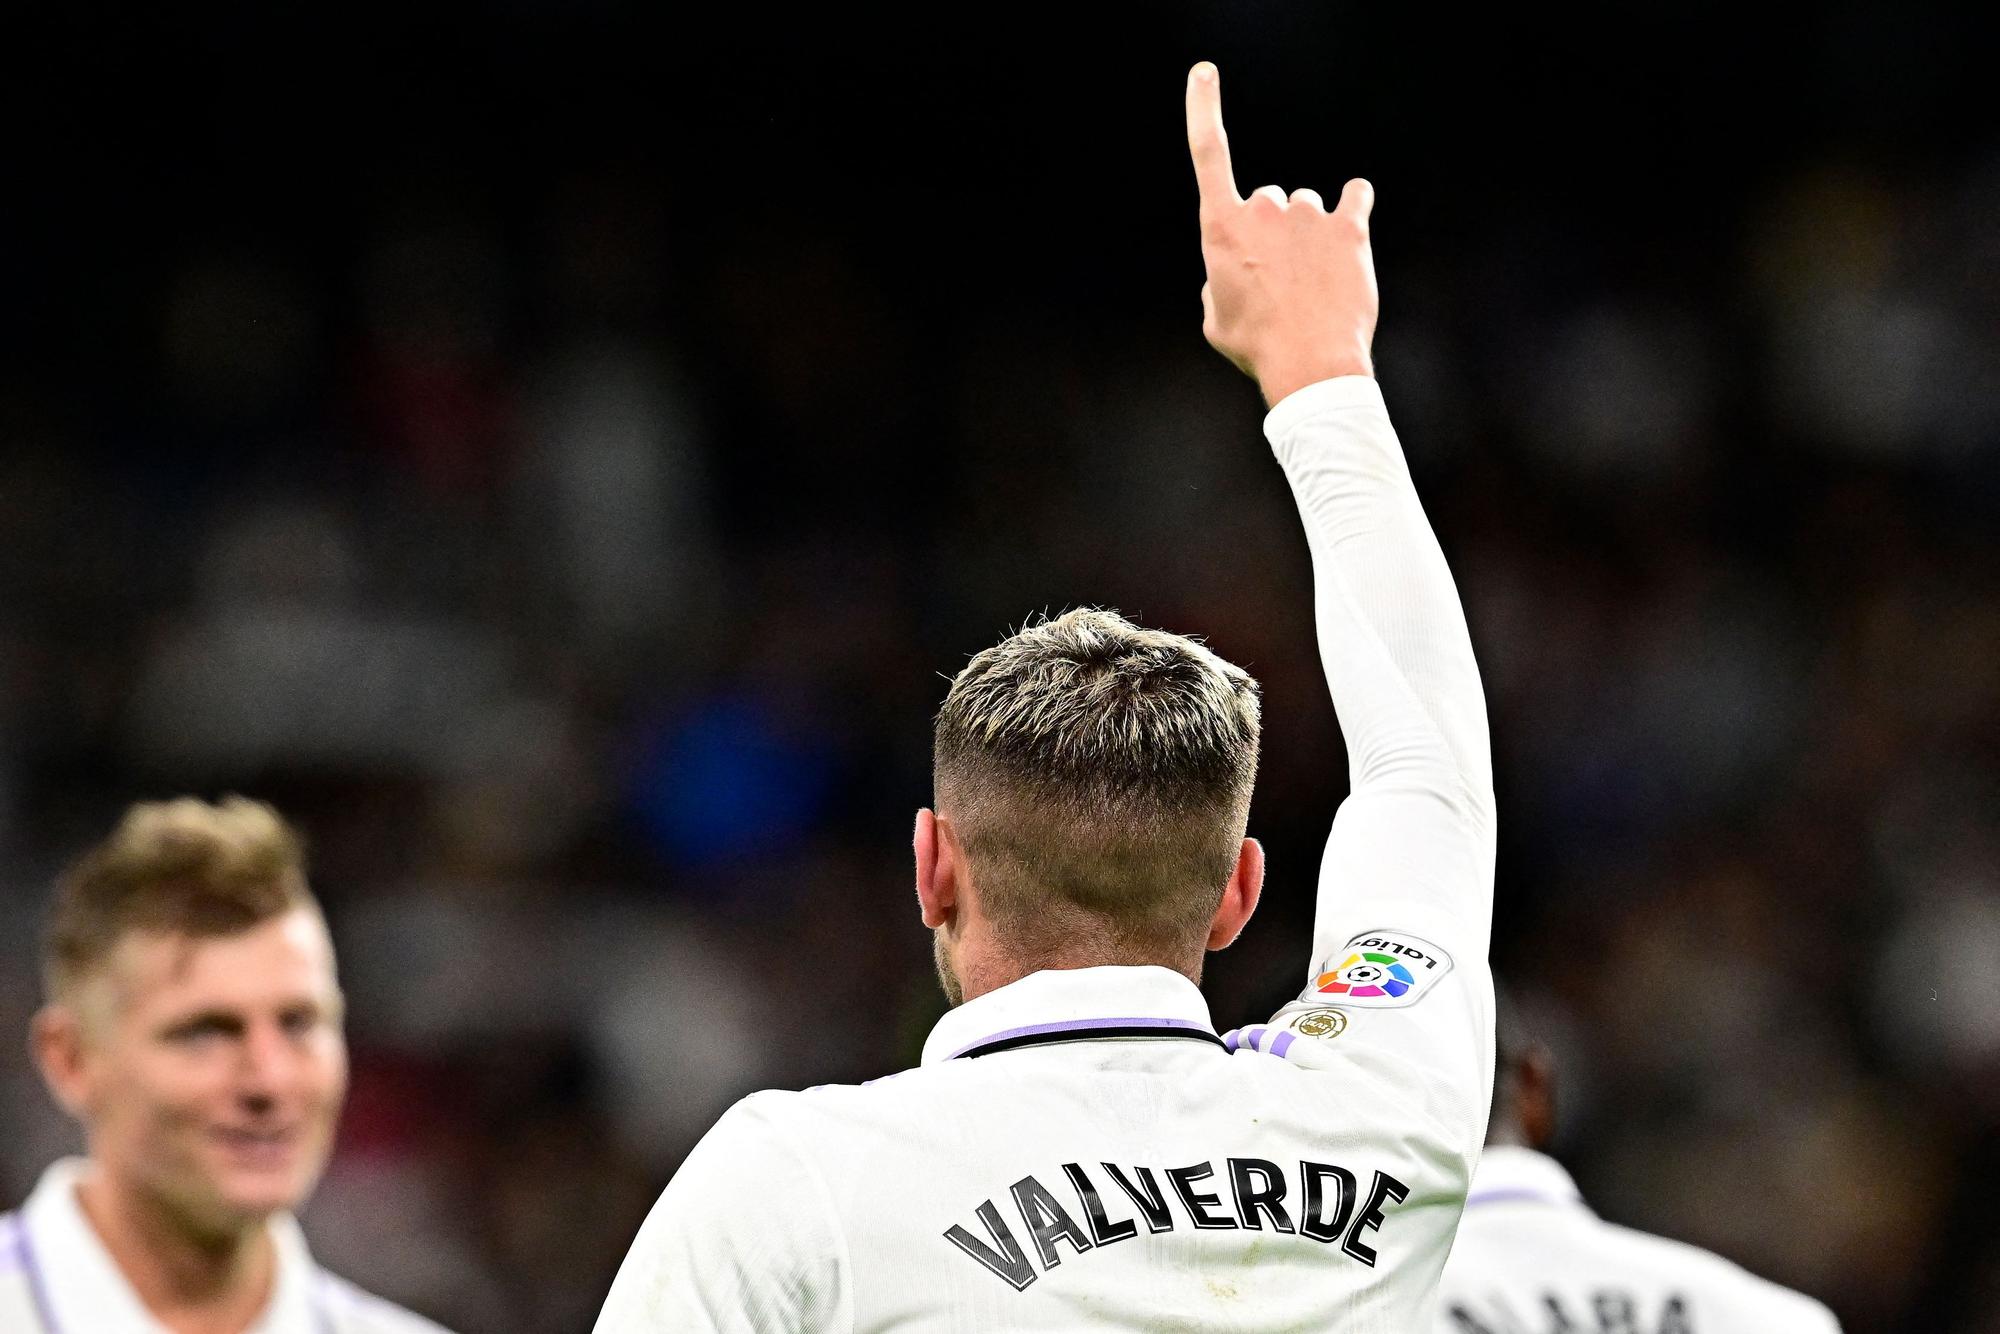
(1290, 296)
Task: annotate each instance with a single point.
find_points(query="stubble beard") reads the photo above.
(954, 992)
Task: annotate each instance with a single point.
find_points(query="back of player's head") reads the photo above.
(184, 867)
(1098, 775)
(1523, 1109)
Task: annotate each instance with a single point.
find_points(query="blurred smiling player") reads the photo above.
(193, 1027)
(1080, 1149)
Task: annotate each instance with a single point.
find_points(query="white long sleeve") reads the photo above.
(1409, 865)
(1392, 636)
(1391, 633)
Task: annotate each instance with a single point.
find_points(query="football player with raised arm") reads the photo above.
(1532, 1258)
(1080, 1148)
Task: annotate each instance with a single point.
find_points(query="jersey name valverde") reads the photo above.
(1317, 1202)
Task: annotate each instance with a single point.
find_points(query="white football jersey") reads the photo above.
(1532, 1258)
(57, 1278)
(1081, 1149)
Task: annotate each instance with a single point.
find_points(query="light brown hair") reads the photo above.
(184, 866)
(1098, 776)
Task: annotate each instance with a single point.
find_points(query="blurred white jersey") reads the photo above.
(57, 1278)
(1080, 1149)
(1532, 1258)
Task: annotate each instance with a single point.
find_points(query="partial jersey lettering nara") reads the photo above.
(1603, 1311)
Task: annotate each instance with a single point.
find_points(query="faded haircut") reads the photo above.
(1098, 775)
(185, 867)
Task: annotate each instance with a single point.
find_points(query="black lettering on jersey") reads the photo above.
(1152, 1202)
(1559, 1321)
(1048, 1220)
(1616, 1313)
(1198, 1204)
(1387, 1188)
(1462, 1320)
(1010, 1262)
(1269, 1197)
(1330, 1211)
(1102, 1230)
(1313, 1178)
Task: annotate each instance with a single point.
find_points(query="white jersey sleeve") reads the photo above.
(742, 1240)
(1399, 979)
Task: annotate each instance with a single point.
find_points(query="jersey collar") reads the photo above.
(1074, 1004)
(1507, 1174)
(79, 1289)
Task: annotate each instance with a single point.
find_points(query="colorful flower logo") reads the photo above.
(1367, 974)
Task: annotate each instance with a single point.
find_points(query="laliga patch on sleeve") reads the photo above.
(1380, 970)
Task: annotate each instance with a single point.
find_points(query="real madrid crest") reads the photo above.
(1321, 1024)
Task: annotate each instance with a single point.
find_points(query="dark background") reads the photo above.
(557, 452)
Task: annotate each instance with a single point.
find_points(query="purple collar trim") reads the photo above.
(1516, 1195)
(1067, 1030)
(45, 1312)
(38, 1292)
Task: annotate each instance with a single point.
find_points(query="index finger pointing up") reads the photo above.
(1206, 142)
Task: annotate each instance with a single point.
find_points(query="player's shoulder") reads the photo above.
(355, 1310)
(777, 1110)
(829, 1121)
(1753, 1301)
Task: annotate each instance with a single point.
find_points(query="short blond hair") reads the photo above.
(1098, 776)
(184, 866)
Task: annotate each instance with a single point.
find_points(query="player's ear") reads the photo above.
(1535, 1095)
(937, 869)
(1239, 896)
(57, 1042)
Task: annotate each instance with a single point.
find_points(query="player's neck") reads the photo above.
(191, 1280)
(986, 967)
(1507, 1132)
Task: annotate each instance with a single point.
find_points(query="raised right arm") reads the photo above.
(1404, 909)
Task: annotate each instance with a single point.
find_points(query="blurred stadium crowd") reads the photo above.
(575, 554)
